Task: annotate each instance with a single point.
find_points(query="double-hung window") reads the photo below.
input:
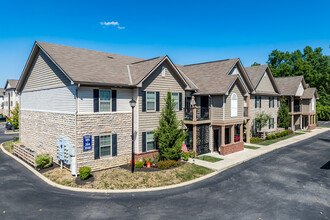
(258, 102)
(271, 102)
(151, 101)
(175, 97)
(105, 100)
(105, 145)
(233, 105)
(271, 123)
(150, 141)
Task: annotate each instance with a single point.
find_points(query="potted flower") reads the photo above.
(148, 162)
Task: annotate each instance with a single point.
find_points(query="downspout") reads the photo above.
(75, 131)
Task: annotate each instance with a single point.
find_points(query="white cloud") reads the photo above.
(111, 23)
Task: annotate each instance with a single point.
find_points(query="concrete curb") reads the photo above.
(49, 182)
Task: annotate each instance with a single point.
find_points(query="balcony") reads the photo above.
(202, 113)
(296, 108)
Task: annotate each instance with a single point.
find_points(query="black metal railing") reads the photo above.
(203, 113)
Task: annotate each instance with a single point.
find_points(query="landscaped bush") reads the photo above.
(254, 140)
(139, 164)
(165, 164)
(43, 161)
(273, 136)
(278, 135)
(84, 172)
(269, 137)
(290, 131)
(185, 156)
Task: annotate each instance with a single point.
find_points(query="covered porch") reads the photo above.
(308, 121)
(227, 136)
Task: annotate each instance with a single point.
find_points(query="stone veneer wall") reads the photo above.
(100, 124)
(41, 130)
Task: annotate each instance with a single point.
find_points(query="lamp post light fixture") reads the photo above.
(132, 103)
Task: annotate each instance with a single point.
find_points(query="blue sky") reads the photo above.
(187, 31)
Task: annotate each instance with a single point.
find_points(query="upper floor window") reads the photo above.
(163, 71)
(312, 104)
(271, 102)
(271, 123)
(175, 97)
(258, 102)
(105, 101)
(151, 101)
(233, 105)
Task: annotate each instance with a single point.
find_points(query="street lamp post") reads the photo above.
(132, 104)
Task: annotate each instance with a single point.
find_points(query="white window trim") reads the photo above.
(105, 146)
(163, 71)
(153, 110)
(104, 101)
(148, 132)
(233, 109)
(177, 107)
(313, 104)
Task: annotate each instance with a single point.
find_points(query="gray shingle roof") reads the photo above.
(289, 85)
(309, 93)
(255, 73)
(12, 83)
(211, 77)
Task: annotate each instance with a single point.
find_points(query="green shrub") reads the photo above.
(84, 172)
(43, 161)
(254, 140)
(273, 136)
(278, 135)
(165, 164)
(146, 159)
(185, 156)
(269, 137)
(16, 139)
(139, 164)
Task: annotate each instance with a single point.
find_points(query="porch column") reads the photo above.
(292, 111)
(232, 134)
(300, 121)
(194, 138)
(194, 114)
(248, 105)
(222, 135)
(314, 119)
(241, 133)
(248, 127)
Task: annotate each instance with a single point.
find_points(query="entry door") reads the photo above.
(216, 140)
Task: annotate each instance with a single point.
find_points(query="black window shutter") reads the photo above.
(256, 102)
(114, 100)
(144, 94)
(269, 123)
(96, 96)
(180, 101)
(270, 101)
(114, 144)
(96, 147)
(157, 101)
(273, 102)
(144, 141)
(260, 101)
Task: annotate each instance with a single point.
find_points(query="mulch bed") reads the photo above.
(81, 182)
(145, 169)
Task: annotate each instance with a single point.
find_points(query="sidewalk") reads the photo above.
(247, 154)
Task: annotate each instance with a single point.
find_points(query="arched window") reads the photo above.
(233, 105)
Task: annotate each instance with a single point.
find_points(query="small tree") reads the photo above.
(14, 119)
(261, 120)
(2, 105)
(283, 114)
(170, 134)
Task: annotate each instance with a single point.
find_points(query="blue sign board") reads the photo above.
(87, 139)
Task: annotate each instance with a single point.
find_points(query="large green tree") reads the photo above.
(170, 134)
(311, 63)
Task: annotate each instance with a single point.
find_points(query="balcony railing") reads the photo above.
(202, 113)
(296, 108)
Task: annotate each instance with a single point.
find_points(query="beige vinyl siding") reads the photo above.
(217, 108)
(240, 103)
(306, 105)
(50, 100)
(86, 103)
(148, 121)
(44, 74)
(265, 85)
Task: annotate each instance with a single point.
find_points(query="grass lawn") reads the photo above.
(269, 142)
(251, 147)
(209, 158)
(119, 178)
(9, 146)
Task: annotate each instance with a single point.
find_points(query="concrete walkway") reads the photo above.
(247, 154)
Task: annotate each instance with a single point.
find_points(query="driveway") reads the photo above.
(285, 184)
(5, 137)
